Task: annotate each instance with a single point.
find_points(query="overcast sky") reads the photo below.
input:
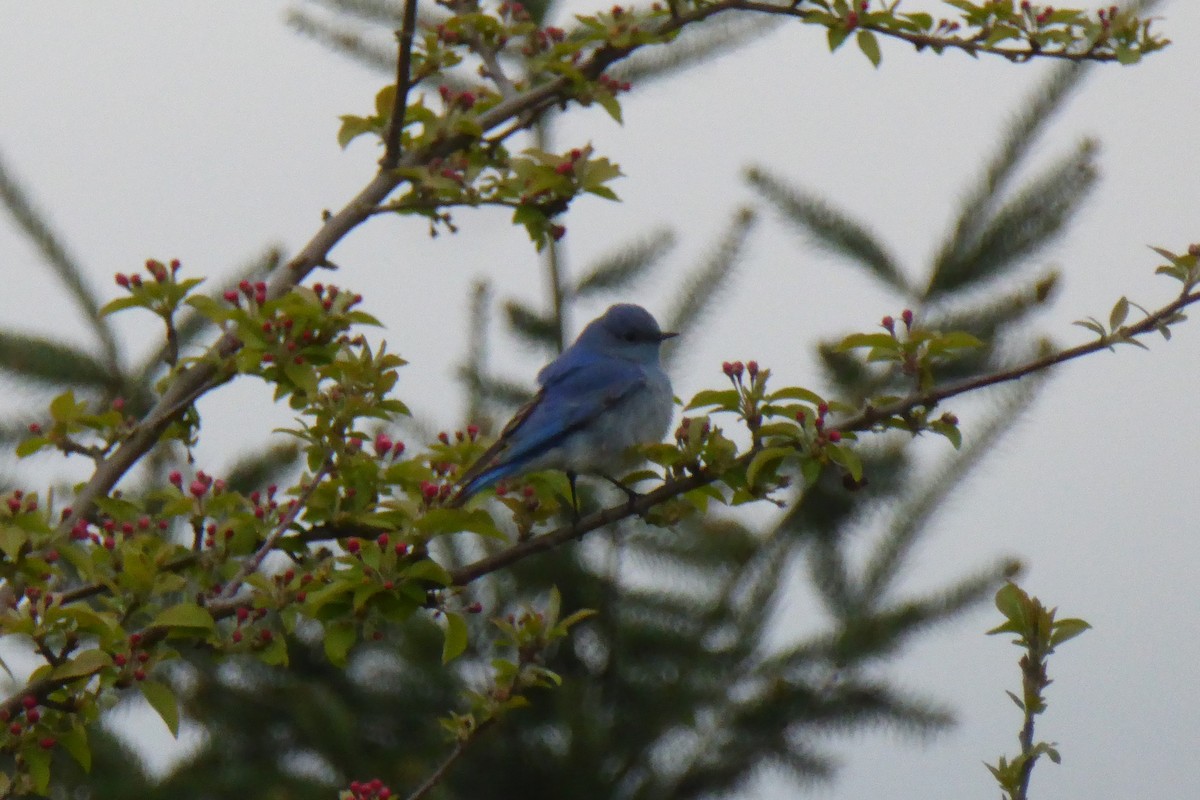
(205, 131)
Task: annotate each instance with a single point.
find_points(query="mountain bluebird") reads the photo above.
(603, 395)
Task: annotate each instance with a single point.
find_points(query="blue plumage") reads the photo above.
(603, 395)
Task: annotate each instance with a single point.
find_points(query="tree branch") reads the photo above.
(404, 36)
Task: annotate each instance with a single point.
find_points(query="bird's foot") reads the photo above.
(631, 496)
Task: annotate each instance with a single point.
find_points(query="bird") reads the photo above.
(599, 398)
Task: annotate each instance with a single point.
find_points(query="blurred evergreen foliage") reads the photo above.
(690, 680)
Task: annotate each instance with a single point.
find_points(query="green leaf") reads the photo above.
(184, 615)
(1120, 311)
(74, 741)
(30, 446)
(847, 459)
(84, 664)
(881, 341)
(162, 700)
(37, 761)
(456, 637)
(120, 304)
(440, 521)
(1010, 601)
(64, 408)
(1067, 629)
(339, 638)
(837, 35)
(766, 457)
(869, 46)
(725, 399)
(610, 104)
(12, 539)
(795, 393)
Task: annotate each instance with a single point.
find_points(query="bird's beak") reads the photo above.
(662, 337)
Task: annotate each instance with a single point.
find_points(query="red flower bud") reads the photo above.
(122, 280)
(176, 478)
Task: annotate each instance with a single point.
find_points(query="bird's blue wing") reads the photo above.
(570, 399)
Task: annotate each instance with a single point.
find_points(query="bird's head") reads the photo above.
(625, 330)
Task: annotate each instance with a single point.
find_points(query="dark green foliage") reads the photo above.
(830, 228)
(51, 363)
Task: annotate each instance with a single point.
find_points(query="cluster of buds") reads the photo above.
(38, 601)
(136, 658)
(253, 291)
(1041, 17)
(528, 494)
(447, 36)
(432, 493)
(246, 616)
(514, 11)
(32, 714)
(832, 435)
(612, 85)
(385, 447)
(157, 270)
(199, 486)
(452, 169)
(19, 503)
(888, 323)
(108, 531)
(543, 39)
(470, 434)
(735, 369)
(452, 99)
(946, 26)
(683, 432)
(568, 164)
(366, 790)
(264, 505)
(328, 295)
(852, 19)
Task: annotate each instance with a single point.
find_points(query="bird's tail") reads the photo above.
(464, 490)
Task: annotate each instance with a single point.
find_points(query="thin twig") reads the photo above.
(495, 70)
(251, 564)
(439, 774)
(404, 38)
(554, 261)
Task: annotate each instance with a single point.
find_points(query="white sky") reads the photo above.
(205, 131)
